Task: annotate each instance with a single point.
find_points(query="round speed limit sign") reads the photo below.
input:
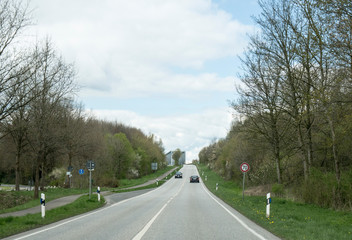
(244, 167)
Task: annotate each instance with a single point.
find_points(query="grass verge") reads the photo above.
(13, 225)
(50, 194)
(125, 183)
(288, 219)
(154, 185)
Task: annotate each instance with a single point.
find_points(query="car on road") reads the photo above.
(194, 178)
(178, 175)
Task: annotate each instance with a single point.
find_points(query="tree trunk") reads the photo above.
(36, 183)
(334, 152)
(17, 170)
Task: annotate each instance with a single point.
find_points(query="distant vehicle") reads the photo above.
(194, 178)
(178, 175)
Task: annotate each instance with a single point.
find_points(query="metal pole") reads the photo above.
(90, 178)
(90, 183)
(244, 174)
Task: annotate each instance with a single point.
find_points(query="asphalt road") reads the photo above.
(176, 210)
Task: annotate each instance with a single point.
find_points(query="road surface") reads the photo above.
(176, 210)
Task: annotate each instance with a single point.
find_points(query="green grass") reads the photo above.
(154, 185)
(288, 220)
(50, 194)
(125, 183)
(14, 225)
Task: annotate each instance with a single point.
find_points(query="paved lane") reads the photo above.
(195, 213)
(176, 210)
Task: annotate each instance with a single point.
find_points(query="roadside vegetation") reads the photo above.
(12, 201)
(288, 219)
(46, 137)
(294, 105)
(126, 183)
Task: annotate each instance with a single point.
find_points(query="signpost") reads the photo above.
(154, 166)
(90, 166)
(244, 169)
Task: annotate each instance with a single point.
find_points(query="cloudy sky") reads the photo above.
(168, 67)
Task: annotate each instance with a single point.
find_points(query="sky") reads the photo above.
(167, 67)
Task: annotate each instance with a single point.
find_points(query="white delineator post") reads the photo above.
(217, 186)
(268, 201)
(42, 202)
(98, 191)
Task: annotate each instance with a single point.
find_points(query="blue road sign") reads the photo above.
(81, 171)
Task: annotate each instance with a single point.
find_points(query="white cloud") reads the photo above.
(129, 46)
(189, 132)
(139, 49)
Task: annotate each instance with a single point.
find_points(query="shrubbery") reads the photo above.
(322, 189)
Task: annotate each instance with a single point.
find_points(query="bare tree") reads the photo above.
(54, 85)
(260, 100)
(14, 68)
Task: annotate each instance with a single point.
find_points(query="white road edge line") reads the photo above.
(86, 215)
(151, 221)
(233, 215)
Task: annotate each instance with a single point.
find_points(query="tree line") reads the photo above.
(43, 130)
(294, 102)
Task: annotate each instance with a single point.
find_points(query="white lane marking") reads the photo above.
(233, 215)
(86, 215)
(151, 221)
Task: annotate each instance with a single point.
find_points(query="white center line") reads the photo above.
(149, 224)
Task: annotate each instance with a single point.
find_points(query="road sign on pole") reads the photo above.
(244, 168)
(81, 171)
(90, 166)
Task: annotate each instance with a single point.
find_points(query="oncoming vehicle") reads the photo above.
(178, 175)
(194, 178)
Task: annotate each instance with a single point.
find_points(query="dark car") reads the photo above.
(194, 178)
(178, 175)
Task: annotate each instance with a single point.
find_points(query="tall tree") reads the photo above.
(176, 156)
(55, 79)
(14, 67)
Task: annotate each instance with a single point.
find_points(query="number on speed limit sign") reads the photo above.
(244, 167)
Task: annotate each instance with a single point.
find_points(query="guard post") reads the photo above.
(98, 191)
(268, 201)
(42, 203)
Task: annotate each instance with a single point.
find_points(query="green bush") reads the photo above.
(278, 189)
(108, 181)
(323, 190)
